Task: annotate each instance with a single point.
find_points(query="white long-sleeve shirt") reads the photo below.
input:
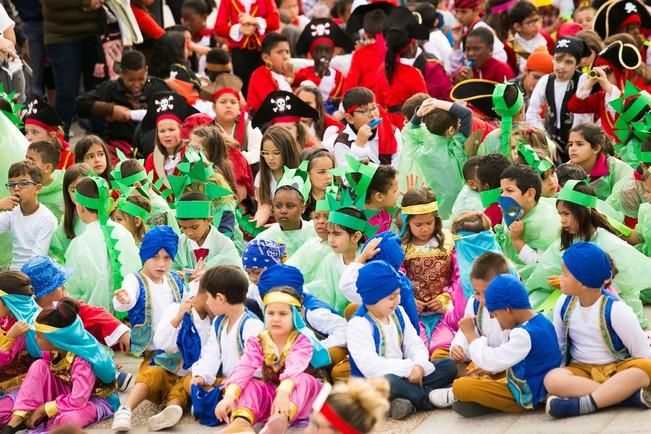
(490, 329)
(348, 282)
(538, 98)
(370, 152)
(503, 357)
(31, 234)
(330, 324)
(585, 334)
(361, 348)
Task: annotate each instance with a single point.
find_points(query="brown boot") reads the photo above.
(277, 424)
(238, 425)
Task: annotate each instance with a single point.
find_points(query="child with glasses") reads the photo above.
(31, 225)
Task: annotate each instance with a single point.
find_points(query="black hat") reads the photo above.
(620, 55)
(575, 47)
(323, 30)
(41, 113)
(166, 105)
(427, 15)
(479, 94)
(282, 106)
(356, 20)
(181, 72)
(615, 13)
(403, 20)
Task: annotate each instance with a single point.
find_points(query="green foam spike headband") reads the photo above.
(489, 197)
(506, 113)
(193, 209)
(351, 222)
(132, 209)
(366, 171)
(541, 165)
(568, 194)
(298, 179)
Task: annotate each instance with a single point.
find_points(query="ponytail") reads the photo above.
(396, 42)
(62, 315)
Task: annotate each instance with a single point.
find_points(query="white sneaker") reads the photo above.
(167, 418)
(122, 420)
(442, 398)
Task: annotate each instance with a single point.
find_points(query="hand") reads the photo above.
(246, 19)
(94, 5)
(467, 325)
(224, 408)
(516, 229)
(369, 251)
(7, 48)
(554, 282)
(365, 132)
(435, 305)
(185, 307)
(288, 70)
(601, 78)
(420, 306)
(122, 296)
(457, 354)
(18, 329)
(36, 417)
(198, 270)
(416, 375)
(120, 114)
(281, 404)
(412, 182)
(426, 107)
(463, 74)
(476, 372)
(124, 343)
(247, 29)
(8, 203)
(198, 381)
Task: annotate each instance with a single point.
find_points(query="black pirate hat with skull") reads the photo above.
(166, 105)
(41, 114)
(323, 31)
(282, 106)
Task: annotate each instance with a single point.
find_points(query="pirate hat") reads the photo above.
(427, 15)
(41, 114)
(407, 22)
(181, 72)
(322, 30)
(166, 105)
(620, 56)
(614, 14)
(282, 106)
(224, 83)
(360, 8)
(478, 93)
(575, 47)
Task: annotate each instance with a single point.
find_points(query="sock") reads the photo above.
(635, 400)
(587, 405)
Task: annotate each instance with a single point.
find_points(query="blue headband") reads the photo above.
(159, 237)
(262, 254)
(506, 291)
(588, 263)
(391, 250)
(24, 308)
(281, 275)
(377, 280)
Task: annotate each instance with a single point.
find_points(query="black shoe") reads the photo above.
(123, 379)
(13, 430)
(471, 409)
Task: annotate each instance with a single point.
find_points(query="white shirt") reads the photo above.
(348, 282)
(327, 323)
(585, 334)
(371, 151)
(507, 355)
(5, 21)
(224, 353)
(439, 46)
(538, 98)
(490, 328)
(361, 347)
(31, 234)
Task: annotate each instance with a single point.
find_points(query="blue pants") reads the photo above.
(443, 375)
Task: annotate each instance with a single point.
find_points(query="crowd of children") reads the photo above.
(324, 213)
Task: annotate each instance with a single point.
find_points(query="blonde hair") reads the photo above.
(362, 403)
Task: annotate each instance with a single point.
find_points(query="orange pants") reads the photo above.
(600, 373)
(340, 365)
(487, 392)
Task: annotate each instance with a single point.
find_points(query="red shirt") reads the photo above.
(97, 321)
(148, 26)
(308, 73)
(364, 65)
(493, 70)
(594, 104)
(406, 81)
(261, 84)
(228, 15)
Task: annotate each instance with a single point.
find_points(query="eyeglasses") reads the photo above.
(270, 153)
(21, 184)
(368, 110)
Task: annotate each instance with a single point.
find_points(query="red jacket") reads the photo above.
(228, 15)
(594, 104)
(493, 70)
(148, 26)
(98, 322)
(364, 64)
(261, 84)
(406, 81)
(308, 73)
(66, 159)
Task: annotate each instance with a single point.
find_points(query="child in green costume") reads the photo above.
(468, 198)
(46, 156)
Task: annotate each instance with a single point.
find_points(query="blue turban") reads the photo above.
(506, 291)
(262, 254)
(45, 275)
(159, 237)
(588, 263)
(391, 249)
(377, 280)
(281, 275)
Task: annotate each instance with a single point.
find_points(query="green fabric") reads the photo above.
(467, 200)
(88, 256)
(492, 145)
(436, 160)
(60, 242)
(309, 256)
(222, 251)
(618, 170)
(52, 195)
(325, 285)
(292, 240)
(644, 227)
(67, 21)
(542, 226)
(161, 213)
(627, 195)
(629, 281)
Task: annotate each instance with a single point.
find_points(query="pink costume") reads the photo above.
(70, 384)
(382, 220)
(433, 271)
(286, 371)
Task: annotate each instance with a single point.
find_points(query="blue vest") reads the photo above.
(612, 341)
(479, 315)
(525, 379)
(380, 349)
(310, 302)
(219, 325)
(140, 315)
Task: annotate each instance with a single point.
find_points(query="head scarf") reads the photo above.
(391, 250)
(506, 291)
(588, 263)
(262, 254)
(377, 280)
(24, 308)
(159, 237)
(45, 275)
(281, 275)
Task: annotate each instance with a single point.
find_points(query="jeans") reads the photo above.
(71, 61)
(445, 372)
(34, 33)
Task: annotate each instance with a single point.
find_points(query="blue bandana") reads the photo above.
(281, 275)
(588, 263)
(159, 237)
(506, 291)
(262, 254)
(391, 249)
(24, 308)
(377, 280)
(45, 275)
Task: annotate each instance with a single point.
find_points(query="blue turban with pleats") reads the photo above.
(262, 254)
(281, 275)
(506, 291)
(377, 280)
(589, 264)
(159, 237)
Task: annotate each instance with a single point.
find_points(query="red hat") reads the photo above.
(194, 121)
(540, 61)
(568, 29)
(466, 4)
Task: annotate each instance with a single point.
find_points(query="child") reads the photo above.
(320, 163)
(587, 146)
(530, 352)
(46, 156)
(30, 223)
(319, 39)
(437, 45)
(538, 64)
(555, 90)
(72, 383)
(277, 73)
(364, 137)
(257, 256)
(245, 26)
(93, 151)
(42, 123)
(430, 264)
(489, 170)
(132, 212)
(479, 49)
(201, 246)
(434, 149)
(325, 126)
(468, 198)
(607, 355)
(381, 194)
(283, 353)
(526, 23)
(291, 13)
(193, 16)
(525, 239)
(629, 193)
(395, 352)
(102, 246)
(584, 16)
(218, 62)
